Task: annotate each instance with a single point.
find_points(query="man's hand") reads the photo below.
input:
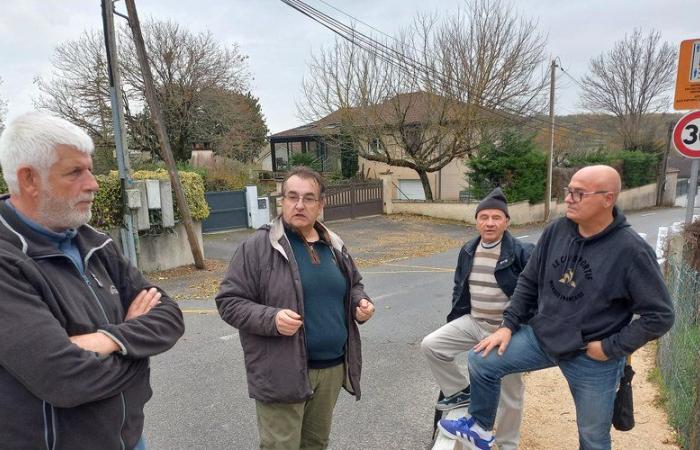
(144, 302)
(287, 322)
(499, 338)
(594, 350)
(95, 342)
(364, 311)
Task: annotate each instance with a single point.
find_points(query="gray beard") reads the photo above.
(60, 214)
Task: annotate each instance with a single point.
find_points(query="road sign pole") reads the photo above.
(692, 191)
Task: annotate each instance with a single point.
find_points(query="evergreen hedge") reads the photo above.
(638, 168)
(514, 164)
(3, 186)
(106, 209)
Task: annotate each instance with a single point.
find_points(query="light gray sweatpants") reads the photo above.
(459, 336)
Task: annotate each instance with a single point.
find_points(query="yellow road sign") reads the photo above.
(688, 78)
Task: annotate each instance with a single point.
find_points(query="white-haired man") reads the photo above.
(77, 321)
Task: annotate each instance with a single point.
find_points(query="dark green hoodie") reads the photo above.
(588, 289)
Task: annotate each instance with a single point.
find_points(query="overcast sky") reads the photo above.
(279, 40)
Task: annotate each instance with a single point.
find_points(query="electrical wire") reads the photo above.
(400, 60)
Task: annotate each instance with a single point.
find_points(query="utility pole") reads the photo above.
(129, 234)
(159, 124)
(550, 155)
(661, 179)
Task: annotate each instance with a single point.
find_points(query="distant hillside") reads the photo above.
(578, 133)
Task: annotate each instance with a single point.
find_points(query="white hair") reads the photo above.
(31, 140)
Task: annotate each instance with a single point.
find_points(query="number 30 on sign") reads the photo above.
(686, 135)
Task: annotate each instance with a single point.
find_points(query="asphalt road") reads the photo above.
(200, 397)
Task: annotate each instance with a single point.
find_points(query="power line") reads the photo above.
(572, 78)
(400, 60)
(414, 64)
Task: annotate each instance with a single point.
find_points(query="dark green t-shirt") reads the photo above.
(325, 288)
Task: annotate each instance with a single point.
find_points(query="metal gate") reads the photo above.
(227, 210)
(354, 199)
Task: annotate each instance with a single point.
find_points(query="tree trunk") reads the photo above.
(426, 184)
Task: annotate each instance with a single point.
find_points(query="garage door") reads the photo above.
(411, 190)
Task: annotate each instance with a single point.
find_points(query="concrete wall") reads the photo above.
(166, 250)
(520, 213)
(637, 198)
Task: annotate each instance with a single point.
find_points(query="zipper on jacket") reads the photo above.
(121, 429)
(85, 279)
(49, 426)
(99, 283)
(104, 314)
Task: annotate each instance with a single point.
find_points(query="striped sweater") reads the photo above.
(488, 301)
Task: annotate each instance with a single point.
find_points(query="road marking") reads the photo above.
(228, 337)
(365, 272)
(649, 214)
(198, 311)
(408, 266)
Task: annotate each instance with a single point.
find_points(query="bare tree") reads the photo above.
(631, 81)
(187, 67)
(79, 91)
(448, 83)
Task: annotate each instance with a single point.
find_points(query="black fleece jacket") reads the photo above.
(587, 289)
(54, 395)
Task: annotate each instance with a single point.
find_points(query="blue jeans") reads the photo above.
(592, 384)
(141, 444)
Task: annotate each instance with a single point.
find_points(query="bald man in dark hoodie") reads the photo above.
(589, 274)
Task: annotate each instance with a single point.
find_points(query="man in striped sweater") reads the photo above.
(487, 271)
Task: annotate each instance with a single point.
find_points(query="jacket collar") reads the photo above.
(277, 233)
(36, 245)
(506, 247)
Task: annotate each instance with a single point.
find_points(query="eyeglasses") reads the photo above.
(577, 195)
(307, 200)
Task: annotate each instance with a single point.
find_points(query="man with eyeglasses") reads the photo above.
(587, 277)
(296, 297)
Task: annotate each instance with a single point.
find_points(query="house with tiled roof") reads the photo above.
(323, 140)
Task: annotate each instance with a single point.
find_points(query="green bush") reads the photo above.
(514, 164)
(305, 159)
(638, 168)
(103, 160)
(106, 209)
(228, 175)
(3, 186)
(107, 206)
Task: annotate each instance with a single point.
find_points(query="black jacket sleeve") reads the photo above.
(151, 333)
(650, 300)
(35, 348)
(523, 302)
(458, 277)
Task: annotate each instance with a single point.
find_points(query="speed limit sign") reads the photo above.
(686, 135)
